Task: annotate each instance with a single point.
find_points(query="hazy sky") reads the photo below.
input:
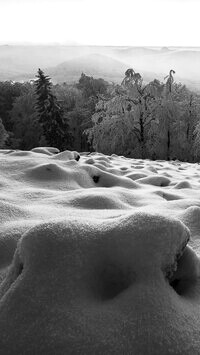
(101, 22)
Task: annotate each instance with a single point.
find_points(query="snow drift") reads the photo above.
(98, 254)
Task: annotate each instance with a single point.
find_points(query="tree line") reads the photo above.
(155, 120)
(38, 113)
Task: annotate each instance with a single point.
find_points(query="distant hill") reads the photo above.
(96, 65)
(66, 63)
(186, 62)
(135, 51)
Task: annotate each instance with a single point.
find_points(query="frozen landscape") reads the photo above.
(99, 177)
(99, 254)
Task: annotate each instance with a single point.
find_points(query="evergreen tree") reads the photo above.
(56, 133)
(43, 89)
(50, 113)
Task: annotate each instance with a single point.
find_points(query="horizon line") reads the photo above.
(24, 43)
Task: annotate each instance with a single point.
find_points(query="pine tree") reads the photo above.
(50, 113)
(56, 132)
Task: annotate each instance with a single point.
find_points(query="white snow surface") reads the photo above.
(98, 254)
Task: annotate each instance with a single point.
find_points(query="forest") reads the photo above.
(154, 120)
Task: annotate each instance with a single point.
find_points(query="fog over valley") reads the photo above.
(66, 63)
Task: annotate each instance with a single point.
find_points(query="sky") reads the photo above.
(101, 22)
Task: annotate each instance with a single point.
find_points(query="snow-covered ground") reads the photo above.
(93, 255)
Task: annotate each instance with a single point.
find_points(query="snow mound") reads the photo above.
(183, 185)
(46, 150)
(98, 254)
(155, 180)
(67, 155)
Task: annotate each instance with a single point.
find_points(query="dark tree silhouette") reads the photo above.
(50, 113)
(91, 86)
(170, 80)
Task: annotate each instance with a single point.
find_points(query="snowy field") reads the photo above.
(93, 255)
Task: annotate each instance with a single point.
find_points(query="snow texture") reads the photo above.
(98, 254)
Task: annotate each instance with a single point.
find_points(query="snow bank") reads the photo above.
(98, 254)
